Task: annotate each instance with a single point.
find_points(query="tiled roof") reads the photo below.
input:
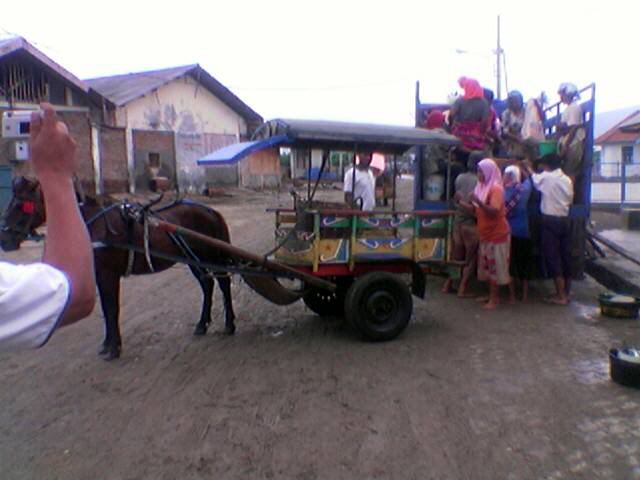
(617, 133)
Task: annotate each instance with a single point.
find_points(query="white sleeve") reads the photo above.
(536, 179)
(574, 114)
(348, 181)
(32, 300)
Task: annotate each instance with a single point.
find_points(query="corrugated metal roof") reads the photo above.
(122, 89)
(347, 135)
(11, 45)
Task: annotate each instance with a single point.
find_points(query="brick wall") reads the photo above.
(80, 130)
(78, 124)
(113, 156)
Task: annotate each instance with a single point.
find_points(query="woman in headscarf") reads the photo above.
(516, 197)
(470, 116)
(487, 202)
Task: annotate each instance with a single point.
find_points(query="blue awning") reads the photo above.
(234, 153)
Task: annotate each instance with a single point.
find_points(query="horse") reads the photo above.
(113, 227)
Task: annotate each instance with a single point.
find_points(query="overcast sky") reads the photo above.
(345, 60)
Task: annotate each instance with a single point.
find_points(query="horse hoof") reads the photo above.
(200, 330)
(108, 354)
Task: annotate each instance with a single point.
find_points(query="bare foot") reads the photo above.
(466, 295)
(557, 300)
(482, 299)
(490, 306)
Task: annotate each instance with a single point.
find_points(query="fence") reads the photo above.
(615, 182)
(604, 171)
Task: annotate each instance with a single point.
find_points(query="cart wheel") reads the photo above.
(326, 303)
(379, 305)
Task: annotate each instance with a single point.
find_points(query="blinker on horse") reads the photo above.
(112, 229)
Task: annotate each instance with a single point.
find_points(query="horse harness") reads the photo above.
(136, 213)
(28, 208)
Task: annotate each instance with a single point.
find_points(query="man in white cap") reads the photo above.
(571, 134)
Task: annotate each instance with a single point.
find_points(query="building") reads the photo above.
(195, 113)
(620, 148)
(29, 77)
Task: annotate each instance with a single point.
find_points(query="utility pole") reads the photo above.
(498, 63)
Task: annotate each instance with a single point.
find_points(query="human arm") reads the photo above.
(68, 247)
(494, 204)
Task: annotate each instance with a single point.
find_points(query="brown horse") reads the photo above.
(114, 225)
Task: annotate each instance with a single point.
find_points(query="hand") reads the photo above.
(473, 198)
(51, 148)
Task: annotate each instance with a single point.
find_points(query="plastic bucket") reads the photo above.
(433, 187)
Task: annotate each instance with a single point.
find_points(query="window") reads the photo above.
(627, 154)
(68, 96)
(154, 160)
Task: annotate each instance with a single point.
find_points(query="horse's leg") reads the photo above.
(229, 316)
(206, 284)
(109, 290)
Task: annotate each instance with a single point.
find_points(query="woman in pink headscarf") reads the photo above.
(470, 116)
(487, 202)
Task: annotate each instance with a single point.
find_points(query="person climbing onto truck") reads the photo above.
(517, 191)
(464, 239)
(555, 236)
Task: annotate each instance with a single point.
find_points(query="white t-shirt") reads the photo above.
(365, 187)
(572, 115)
(32, 300)
(557, 192)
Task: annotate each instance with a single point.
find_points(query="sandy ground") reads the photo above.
(520, 393)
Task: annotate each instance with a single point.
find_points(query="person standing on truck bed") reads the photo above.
(359, 184)
(571, 133)
(512, 122)
(470, 117)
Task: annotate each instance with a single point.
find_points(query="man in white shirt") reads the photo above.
(360, 190)
(36, 299)
(557, 195)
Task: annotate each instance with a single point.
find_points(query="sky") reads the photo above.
(345, 60)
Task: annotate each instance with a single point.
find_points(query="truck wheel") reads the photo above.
(379, 306)
(325, 303)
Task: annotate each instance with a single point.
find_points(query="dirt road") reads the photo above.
(520, 393)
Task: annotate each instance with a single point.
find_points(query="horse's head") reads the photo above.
(24, 214)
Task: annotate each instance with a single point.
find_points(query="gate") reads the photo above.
(5, 186)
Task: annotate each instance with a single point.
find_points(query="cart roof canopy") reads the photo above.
(327, 135)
